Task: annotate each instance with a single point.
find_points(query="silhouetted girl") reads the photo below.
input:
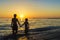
(26, 24)
(14, 24)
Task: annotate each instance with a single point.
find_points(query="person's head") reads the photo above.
(15, 15)
(26, 19)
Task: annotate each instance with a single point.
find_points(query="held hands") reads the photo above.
(20, 26)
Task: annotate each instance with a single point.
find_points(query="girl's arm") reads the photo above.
(28, 25)
(18, 22)
(22, 24)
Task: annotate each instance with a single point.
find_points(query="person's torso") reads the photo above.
(26, 24)
(14, 20)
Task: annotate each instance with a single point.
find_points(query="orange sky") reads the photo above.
(30, 8)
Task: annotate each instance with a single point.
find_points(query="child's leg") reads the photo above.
(26, 31)
(12, 30)
(16, 31)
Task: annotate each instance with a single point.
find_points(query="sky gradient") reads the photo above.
(30, 8)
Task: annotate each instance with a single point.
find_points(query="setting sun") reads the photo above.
(21, 16)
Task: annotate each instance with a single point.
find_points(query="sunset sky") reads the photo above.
(30, 8)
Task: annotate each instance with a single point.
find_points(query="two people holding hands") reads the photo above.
(15, 22)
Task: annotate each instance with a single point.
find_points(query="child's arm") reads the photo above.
(28, 25)
(18, 22)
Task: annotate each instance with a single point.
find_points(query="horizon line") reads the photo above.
(37, 17)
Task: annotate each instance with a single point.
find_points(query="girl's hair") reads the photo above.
(26, 19)
(15, 15)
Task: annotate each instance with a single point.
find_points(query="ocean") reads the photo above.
(5, 25)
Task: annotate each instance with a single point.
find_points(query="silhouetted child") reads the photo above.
(26, 24)
(14, 24)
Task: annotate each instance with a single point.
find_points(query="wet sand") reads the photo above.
(53, 34)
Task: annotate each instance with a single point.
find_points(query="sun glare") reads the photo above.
(21, 16)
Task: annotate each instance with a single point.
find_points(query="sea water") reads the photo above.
(5, 24)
